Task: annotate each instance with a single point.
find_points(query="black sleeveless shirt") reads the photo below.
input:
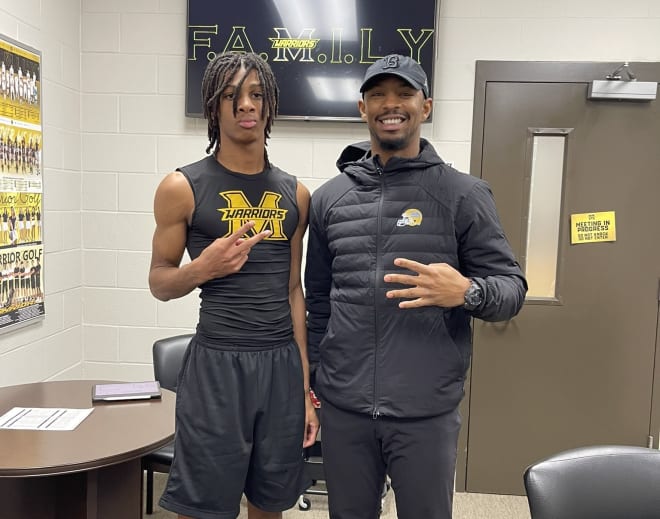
(251, 307)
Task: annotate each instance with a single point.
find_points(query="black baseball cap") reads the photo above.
(402, 66)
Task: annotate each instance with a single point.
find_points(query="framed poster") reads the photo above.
(319, 50)
(21, 186)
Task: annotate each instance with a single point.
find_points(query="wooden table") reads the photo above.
(92, 472)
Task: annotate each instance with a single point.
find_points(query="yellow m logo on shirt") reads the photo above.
(267, 215)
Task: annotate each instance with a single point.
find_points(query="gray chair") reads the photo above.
(599, 482)
(167, 356)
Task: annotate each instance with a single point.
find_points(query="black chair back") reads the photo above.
(600, 482)
(168, 356)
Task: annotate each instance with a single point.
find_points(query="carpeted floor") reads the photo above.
(466, 506)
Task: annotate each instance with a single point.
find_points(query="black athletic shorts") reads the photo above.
(240, 420)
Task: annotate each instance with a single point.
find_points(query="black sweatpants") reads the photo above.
(418, 454)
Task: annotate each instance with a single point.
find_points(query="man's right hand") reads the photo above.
(227, 255)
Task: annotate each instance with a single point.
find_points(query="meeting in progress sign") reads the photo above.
(593, 227)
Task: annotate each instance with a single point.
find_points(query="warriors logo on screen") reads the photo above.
(299, 48)
(267, 215)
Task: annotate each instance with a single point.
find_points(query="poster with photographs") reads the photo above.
(21, 186)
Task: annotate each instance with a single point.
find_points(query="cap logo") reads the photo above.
(391, 61)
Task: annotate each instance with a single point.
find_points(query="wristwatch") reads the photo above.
(474, 296)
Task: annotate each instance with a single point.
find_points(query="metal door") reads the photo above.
(576, 366)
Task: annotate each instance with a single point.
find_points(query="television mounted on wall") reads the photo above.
(319, 50)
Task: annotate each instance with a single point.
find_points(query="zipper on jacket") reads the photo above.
(377, 283)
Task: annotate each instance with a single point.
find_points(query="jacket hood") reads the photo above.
(356, 159)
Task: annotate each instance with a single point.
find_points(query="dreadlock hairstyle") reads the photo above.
(217, 77)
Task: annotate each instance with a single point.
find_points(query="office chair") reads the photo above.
(168, 357)
(603, 482)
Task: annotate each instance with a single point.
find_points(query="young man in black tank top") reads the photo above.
(243, 407)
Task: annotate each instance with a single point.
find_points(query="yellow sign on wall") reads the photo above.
(593, 227)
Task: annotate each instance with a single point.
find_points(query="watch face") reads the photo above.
(473, 296)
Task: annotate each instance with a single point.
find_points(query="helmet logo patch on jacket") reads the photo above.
(410, 218)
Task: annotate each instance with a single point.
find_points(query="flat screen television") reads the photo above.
(318, 49)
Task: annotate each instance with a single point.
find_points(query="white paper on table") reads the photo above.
(43, 418)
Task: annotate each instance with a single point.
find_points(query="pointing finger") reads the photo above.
(248, 243)
(414, 303)
(403, 279)
(252, 240)
(240, 232)
(410, 265)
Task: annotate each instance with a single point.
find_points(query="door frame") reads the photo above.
(539, 72)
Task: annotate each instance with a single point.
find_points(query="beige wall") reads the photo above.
(113, 74)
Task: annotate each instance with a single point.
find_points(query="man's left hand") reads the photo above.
(437, 284)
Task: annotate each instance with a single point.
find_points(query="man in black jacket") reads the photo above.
(403, 250)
